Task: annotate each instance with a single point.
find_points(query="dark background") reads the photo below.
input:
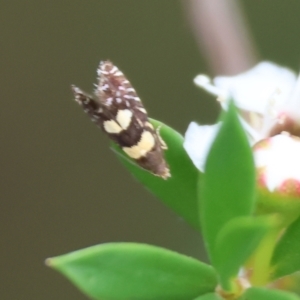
(61, 187)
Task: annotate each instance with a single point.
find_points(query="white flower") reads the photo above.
(253, 90)
(268, 99)
(197, 142)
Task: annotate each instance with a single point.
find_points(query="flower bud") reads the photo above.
(277, 161)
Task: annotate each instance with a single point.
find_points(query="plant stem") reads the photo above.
(222, 34)
(262, 258)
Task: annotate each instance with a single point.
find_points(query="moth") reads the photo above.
(118, 110)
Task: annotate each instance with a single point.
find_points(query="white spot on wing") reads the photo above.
(109, 101)
(112, 127)
(104, 87)
(146, 144)
(128, 97)
(113, 70)
(142, 109)
(148, 124)
(101, 71)
(124, 117)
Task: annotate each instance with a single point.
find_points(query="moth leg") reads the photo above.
(161, 141)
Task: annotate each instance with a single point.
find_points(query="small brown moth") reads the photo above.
(120, 113)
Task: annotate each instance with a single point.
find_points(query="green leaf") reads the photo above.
(235, 243)
(228, 187)
(286, 258)
(122, 271)
(178, 192)
(266, 294)
(210, 296)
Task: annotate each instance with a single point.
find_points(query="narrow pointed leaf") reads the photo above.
(228, 187)
(121, 271)
(286, 258)
(235, 243)
(178, 192)
(256, 293)
(210, 296)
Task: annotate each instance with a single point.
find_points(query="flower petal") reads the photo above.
(257, 89)
(197, 142)
(204, 82)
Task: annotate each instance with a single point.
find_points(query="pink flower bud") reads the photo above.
(277, 161)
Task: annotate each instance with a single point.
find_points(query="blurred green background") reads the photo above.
(61, 187)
